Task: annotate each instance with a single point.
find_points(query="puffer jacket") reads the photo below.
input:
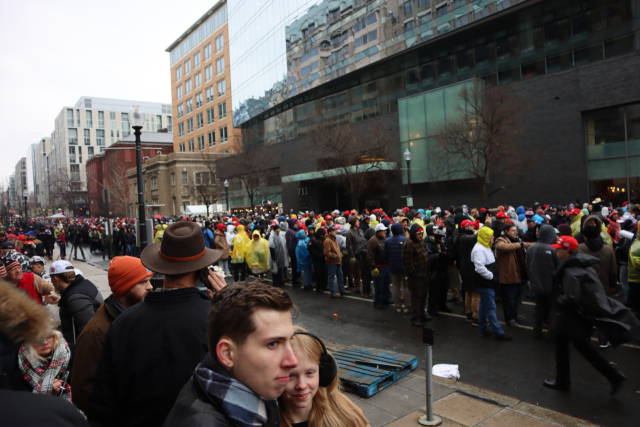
(78, 303)
(392, 250)
(607, 268)
(542, 261)
(415, 257)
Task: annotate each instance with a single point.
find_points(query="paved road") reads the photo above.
(515, 368)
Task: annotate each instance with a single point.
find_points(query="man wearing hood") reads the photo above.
(379, 268)
(606, 267)
(581, 304)
(542, 261)
(392, 253)
(486, 277)
(415, 260)
(559, 217)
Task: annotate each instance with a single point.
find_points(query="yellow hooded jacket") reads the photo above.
(239, 244)
(257, 253)
(484, 236)
(575, 224)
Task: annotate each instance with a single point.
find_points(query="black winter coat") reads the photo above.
(149, 354)
(78, 303)
(464, 242)
(29, 409)
(542, 262)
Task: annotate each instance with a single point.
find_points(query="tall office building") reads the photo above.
(20, 176)
(88, 128)
(41, 173)
(300, 66)
(201, 85)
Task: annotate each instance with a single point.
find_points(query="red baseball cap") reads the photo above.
(566, 242)
(328, 217)
(501, 214)
(574, 211)
(466, 223)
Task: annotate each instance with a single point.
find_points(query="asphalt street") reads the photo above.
(515, 368)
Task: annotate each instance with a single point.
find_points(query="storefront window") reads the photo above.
(605, 133)
(611, 190)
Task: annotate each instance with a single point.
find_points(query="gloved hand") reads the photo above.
(352, 260)
(375, 272)
(335, 256)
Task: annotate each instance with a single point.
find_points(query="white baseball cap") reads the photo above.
(59, 267)
(380, 227)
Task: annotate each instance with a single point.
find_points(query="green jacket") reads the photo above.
(634, 261)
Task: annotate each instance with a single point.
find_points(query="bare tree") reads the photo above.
(355, 156)
(254, 166)
(118, 185)
(204, 185)
(482, 140)
(66, 190)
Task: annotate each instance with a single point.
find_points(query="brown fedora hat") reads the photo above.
(181, 251)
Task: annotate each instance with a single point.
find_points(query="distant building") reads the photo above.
(20, 175)
(41, 174)
(109, 170)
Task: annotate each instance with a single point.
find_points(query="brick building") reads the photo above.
(109, 169)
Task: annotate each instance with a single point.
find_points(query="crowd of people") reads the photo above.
(197, 351)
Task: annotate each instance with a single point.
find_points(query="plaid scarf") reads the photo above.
(236, 400)
(41, 373)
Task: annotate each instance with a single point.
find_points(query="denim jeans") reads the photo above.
(308, 276)
(487, 310)
(511, 300)
(381, 285)
(335, 270)
(624, 280)
(130, 249)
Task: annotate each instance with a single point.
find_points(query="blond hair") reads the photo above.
(331, 408)
(32, 354)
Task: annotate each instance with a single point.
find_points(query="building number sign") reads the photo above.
(302, 191)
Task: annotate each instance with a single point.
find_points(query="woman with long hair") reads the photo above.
(312, 397)
(42, 368)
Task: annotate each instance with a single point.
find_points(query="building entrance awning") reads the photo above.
(385, 166)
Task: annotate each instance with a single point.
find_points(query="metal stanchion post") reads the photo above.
(429, 419)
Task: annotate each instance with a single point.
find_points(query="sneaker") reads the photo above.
(512, 322)
(604, 345)
(345, 293)
(485, 334)
(474, 322)
(520, 318)
(335, 296)
(504, 337)
(398, 309)
(407, 310)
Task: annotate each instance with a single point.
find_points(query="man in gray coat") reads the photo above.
(542, 261)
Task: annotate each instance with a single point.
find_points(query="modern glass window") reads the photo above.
(219, 43)
(196, 60)
(154, 182)
(209, 93)
(112, 119)
(200, 142)
(181, 146)
(442, 10)
(191, 145)
(89, 151)
(220, 65)
(169, 126)
(212, 138)
(198, 79)
(189, 125)
(210, 116)
(199, 100)
(79, 154)
(72, 154)
(179, 91)
(408, 7)
(223, 135)
(423, 3)
(89, 118)
(180, 110)
(101, 119)
(189, 105)
(222, 110)
(70, 121)
(207, 52)
(179, 72)
(187, 66)
(100, 137)
(159, 122)
(185, 178)
(222, 87)
(73, 136)
(87, 137)
(208, 73)
(181, 129)
(200, 120)
(187, 87)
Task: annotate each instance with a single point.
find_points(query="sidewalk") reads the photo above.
(455, 402)
(403, 403)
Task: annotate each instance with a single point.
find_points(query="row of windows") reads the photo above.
(124, 119)
(73, 136)
(207, 56)
(221, 85)
(200, 34)
(222, 114)
(74, 159)
(200, 140)
(222, 107)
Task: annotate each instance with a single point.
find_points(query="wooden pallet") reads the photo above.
(366, 371)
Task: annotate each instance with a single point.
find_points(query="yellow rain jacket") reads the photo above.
(257, 253)
(484, 236)
(159, 233)
(634, 261)
(239, 244)
(575, 224)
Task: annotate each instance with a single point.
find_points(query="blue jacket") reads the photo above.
(303, 258)
(392, 250)
(208, 234)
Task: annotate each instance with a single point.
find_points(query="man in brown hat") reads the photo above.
(153, 347)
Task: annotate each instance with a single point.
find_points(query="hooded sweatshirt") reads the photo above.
(303, 257)
(392, 250)
(542, 261)
(415, 258)
(483, 260)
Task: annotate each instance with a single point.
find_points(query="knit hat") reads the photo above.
(124, 273)
(10, 263)
(565, 229)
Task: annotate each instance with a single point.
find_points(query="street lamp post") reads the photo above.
(407, 157)
(226, 189)
(137, 121)
(25, 194)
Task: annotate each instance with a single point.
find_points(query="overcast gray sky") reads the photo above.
(54, 52)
